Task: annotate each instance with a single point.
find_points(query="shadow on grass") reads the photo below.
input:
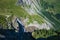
(7, 34)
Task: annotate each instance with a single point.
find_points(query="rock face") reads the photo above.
(36, 26)
(14, 22)
(31, 29)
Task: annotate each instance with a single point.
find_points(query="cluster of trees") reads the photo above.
(43, 33)
(6, 23)
(3, 22)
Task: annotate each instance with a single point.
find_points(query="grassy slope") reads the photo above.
(56, 4)
(8, 7)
